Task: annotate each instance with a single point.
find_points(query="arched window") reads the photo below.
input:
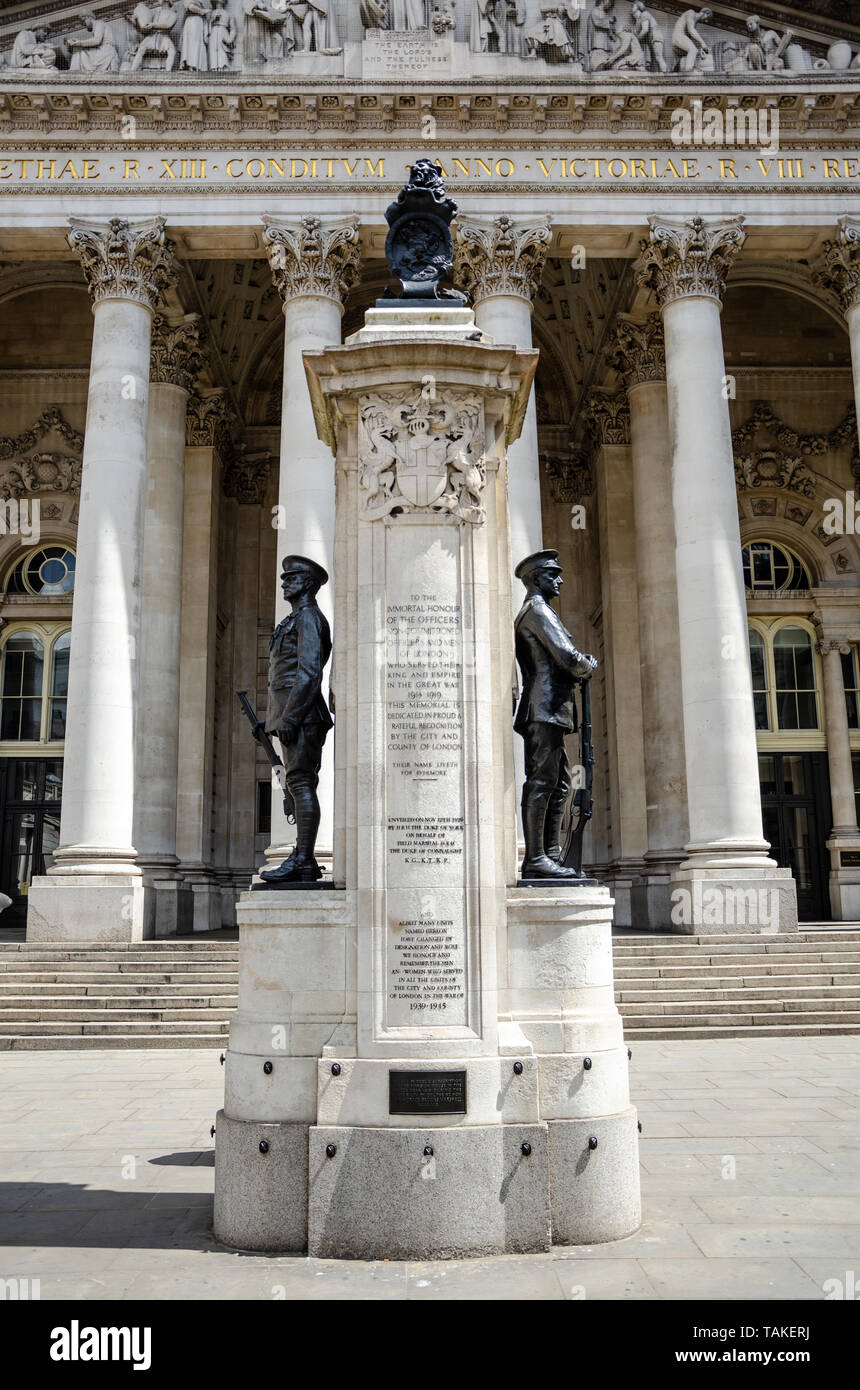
(770, 568)
(34, 684)
(784, 679)
(48, 570)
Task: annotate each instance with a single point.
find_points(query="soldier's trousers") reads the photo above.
(547, 785)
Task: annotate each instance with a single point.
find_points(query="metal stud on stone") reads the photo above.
(518, 1068)
(264, 1146)
(335, 1068)
(587, 1064)
(592, 1141)
(268, 1068)
(330, 1150)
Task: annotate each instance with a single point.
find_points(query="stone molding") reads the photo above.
(568, 473)
(246, 476)
(607, 416)
(839, 267)
(124, 259)
(177, 354)
(500, 256)
(313, 255)
(208, 420)
(689, 256)
(638, 350)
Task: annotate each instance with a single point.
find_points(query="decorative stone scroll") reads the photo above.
(313, 255)
(416, 454)
(638, 350)
(177, 352)
(839, 267)
(123, 259)
(689, 256)
(500, 256)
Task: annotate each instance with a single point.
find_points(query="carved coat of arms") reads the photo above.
(417, 452)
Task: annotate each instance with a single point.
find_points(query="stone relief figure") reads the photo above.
(314, 26)
(442, 20)
(31, 50)
(408, 15)
(626, 56)
(156, 48)
(600, 36)
(554, 37)
(487, 32)
(650, 36)
(220, 36)
(692, 51)
(193, 56)
(374, 14)
(268, 32)
(96, 52)
(764, 52)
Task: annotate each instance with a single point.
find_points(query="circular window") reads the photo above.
(772, 569)
(49, 570)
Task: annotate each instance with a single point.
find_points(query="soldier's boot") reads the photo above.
(300, 866)
(536, 863)
(552, 829)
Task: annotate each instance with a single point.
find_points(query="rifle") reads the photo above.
(258, 729)
(582, 798)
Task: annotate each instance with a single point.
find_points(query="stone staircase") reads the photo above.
(739, 985)
(181, 992)
(166, 993)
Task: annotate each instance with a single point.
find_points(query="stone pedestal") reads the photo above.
(427, 1031)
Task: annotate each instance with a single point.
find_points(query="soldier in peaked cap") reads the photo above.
(549, 664)
(299, 648)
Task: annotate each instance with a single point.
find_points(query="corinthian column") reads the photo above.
(175, 360)
(839, 270)
(499, 263)
(844, 836)
(314, 263)
(638, 353)
(685, 263)
(95, 889)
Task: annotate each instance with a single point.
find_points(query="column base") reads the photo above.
(174, 907)
(651, 894)
(733, 898)
(594, 1188)
(844, 878)
(261, 1197)
(90, 907)
(205, 903)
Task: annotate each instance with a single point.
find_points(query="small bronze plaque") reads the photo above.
(850, 858)
(426, 1093)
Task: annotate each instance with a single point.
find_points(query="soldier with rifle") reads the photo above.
(550, 665)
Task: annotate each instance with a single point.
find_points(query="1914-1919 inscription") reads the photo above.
(427, 1093)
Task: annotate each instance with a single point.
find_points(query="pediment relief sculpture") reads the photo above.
(784, 466)
(44, 458)
(605, 37)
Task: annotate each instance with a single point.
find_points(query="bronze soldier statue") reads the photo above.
(299, 648)
(550, 666)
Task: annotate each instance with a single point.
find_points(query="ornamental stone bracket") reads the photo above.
(569, 475)
(246, 476)
(500, 256)
(638, 350)
(177, 354)
(208, 420)
(124, 259)
(36, 469)
(607, 417)
(420, 455)
(313, 255)
(839, 267)
(687, 257)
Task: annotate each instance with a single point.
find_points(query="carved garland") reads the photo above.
(758, 468)
(46, 471)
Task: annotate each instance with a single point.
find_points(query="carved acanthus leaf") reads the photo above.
(208, 420)
(638, 350)
(500, 256)
(569, 474)
(313, 255)
(771, 468)
(689, 256)
(124, 259)
(177, 351)
(839, 267)
(607, 415)
(416, 454)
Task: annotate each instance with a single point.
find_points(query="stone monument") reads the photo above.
(426, 1060)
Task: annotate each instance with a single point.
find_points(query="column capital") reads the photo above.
(828, 640)
(207, 423)
(607, 415)
(638, 350)
(124, 259)
(176, 354)
(499, 256)
(569, 474)
(313, 255)
(838, 269)
(689, 256)
(247, 476)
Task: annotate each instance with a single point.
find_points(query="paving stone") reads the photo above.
(756, 1280)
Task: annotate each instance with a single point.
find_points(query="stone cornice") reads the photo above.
(177, 352)
(638, 350)
(124, 259)
(313, 255)
(499, 256)
(689, 256)
(839, 267)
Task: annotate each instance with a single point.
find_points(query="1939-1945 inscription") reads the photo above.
(427, 1093)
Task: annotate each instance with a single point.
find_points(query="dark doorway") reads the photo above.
(795, 803)
(30, 794)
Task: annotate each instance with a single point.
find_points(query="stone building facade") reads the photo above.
(662, 198)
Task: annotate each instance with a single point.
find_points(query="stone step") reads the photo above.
(181, 946)
(10, 990)
(750, 1003)
(663, 1032)
(77, 981)
(110, 1017)
(104, 1028)
(819, 989)
(741, 956)
(121, 966)
(688, 1017)
(73, 1042)
(745, 971)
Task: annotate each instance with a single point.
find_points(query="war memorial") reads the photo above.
(471, 388)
